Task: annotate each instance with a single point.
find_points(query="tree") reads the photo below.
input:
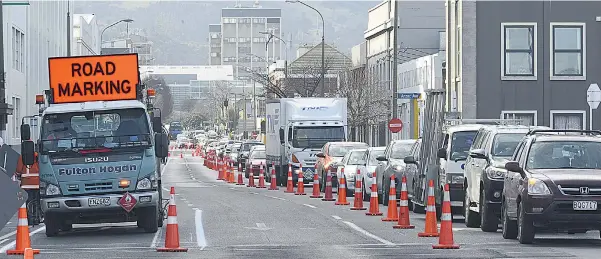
(367, 99)
(305, 79)
(268, 84)
(163, 99)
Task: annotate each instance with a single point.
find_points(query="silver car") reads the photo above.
(372, 163)
(354, 160)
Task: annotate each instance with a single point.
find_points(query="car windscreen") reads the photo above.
(373, 155)
(247, 146)
(504, 144)
(564, 155)
(258, 154)
(315, 137)
(460, 144)
(341, 150)
(357, 158)
(401, 149)
(95, 129)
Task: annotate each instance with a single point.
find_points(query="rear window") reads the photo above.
(504, 144)
(341, 150)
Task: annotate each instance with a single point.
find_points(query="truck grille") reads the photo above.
(580, 190)
(100, 186)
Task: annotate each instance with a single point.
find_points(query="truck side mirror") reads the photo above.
(161, 148)
(442, 153)
(282, 136)
(27, 152)
(320, 155)
(25, 132)
(157, 125)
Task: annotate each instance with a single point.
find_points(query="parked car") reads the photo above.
(245, 149)
(354, 160)
(392, 164)
(372, 163)
(330, 155)
(484, 173)
(553, 183)
(255, 159)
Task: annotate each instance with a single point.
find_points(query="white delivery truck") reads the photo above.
(298, 128)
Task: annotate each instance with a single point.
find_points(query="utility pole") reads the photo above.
(395, 105)
(68, 28)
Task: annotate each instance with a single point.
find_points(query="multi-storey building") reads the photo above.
(214, 44)
(86, 35)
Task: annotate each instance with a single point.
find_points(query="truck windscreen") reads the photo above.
(316, 137)
(95, 129)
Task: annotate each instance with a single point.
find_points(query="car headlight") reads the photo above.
(456, 179)
(144, 184)
(495, 173)
(398, 168)
(537, 187)
(52, 190)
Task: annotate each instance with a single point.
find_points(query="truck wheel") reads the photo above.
(488, 220)
(52, 225)
(148, 219)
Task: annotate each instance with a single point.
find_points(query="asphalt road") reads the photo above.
(220, 220)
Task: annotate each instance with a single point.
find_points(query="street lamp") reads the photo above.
(323, 28)
(113, 24)
(286, 48)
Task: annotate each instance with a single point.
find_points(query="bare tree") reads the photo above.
(367, 102)
(269, 86)
(305, 79)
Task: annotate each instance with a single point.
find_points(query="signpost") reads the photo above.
(593, 98)
(395, 125)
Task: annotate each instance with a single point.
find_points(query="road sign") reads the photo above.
(593, 96)
(408, 95)
(395, 125)
(8, 159)
(11, 198)
(128, 202)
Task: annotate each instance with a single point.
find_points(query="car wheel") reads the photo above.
(525, 227)
(510, 227)
(488, 220)
(472, 219)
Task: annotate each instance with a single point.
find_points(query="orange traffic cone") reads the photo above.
(374, 206)
(240, 179)
(28, 253)
(328, 194)
(316, 190)
(300, 184)
(392, 214)
(251, 177)
(226, 172)
(172, 235)
(358, 202)
(342, 191)
(232, 173)
(22, 241)
(274, 179)
(261, 178)
(219, 171)
(181, 155)
(403, 222)
(446, 224)
(290, 184)
(431, 228)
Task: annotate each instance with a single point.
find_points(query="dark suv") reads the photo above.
(553, 183)
(484, 172)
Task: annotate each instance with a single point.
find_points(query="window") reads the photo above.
(518, 56)
(568, 119)
(18, 49)
(273, 20)
(229, 20)
(259, 39)
(230, 39)
(244, 40)
(568, 51)
(528, 118)
(213, 54)
(258, 20)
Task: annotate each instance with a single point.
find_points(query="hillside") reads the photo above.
(179, 29)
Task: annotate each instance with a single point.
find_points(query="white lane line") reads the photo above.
(9, 235)
(3, 241)
(310, 206)
(200, 232)
(165, 167)
(277, 198)
(254, 193)
(336, 217)
(156, 238)
(364, 232)
(190, 205)
(12, 244)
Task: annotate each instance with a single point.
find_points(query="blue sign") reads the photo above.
(409, 95)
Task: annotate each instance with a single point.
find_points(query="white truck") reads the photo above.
(298, 128)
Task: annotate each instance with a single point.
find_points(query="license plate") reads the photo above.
(95, 202)
(585, 205)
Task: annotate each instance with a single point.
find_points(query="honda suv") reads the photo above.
(553, 183)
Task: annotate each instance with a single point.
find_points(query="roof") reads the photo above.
(347, 143)
(554, 137)
(376, 148)
(465, 127)
(88, 106)
(334, 59)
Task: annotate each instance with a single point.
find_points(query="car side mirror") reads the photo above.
(514, 166)
(442, 153)
(479, 154)
(27, 152)
(410, 160)
(25, 132)
(320, 154)
(282, 136)
(381, 158)
(157, 125)
(161, 145)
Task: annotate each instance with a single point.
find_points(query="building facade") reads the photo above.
(531, 60)
(214, 44)
(243, 39)
(86, 35)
